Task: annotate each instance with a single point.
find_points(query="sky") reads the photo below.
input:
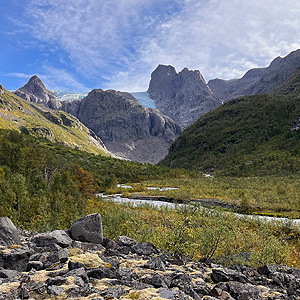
(79, 45)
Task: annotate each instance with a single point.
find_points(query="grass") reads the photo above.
(261, 195)
(203, 234)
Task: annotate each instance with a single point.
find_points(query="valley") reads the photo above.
(242, 156)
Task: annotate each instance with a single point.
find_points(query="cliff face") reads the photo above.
(127, 128)
(257, 81)
(183, 96)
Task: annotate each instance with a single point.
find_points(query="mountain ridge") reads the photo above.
(258, 80)
(183, 96)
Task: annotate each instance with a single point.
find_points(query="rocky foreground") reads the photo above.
(80, 264)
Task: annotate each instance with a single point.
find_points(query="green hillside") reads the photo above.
(252, 135)
(55, 126)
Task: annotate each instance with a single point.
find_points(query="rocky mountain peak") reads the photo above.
(183, 96)
(35, 91)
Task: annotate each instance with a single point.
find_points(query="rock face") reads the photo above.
(9, 234)
(126, 269)
(257, 81)
(35, 91)
(183, 96)
(127, 128)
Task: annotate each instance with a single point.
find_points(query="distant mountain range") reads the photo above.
(128, 129)
(142, 126)
(257, 81)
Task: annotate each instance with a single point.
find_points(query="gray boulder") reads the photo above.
(9, 234)
(88, 229)
(59, 237)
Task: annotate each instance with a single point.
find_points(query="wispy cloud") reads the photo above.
(122, 41)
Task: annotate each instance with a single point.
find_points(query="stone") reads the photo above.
(145, 249)
(172, 294)
(267, 269)
(88, 229)
(126, 241)
(9, 234)
(10, 274)
(243, 291)
(59, 237)
(55, 290)
(56, 280)
(36, 265)
(16, 259)
(155, 264)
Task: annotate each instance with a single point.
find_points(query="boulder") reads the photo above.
(59, 237)
(88, 229)
(9, 234)
(145, 249)
(15, 259)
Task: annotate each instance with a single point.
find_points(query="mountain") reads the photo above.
(127, 128)
(182, 96)
(35, 91)
(56, 126)
(259, 80)
(250, 135)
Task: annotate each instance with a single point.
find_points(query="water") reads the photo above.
(136, 202)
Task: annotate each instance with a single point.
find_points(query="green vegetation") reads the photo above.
(269, 195)
(55, 126)
(47, 186)
(249, 136)
(204, 234)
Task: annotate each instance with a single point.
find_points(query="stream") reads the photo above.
(159, 203)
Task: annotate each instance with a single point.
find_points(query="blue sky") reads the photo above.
(78, 45)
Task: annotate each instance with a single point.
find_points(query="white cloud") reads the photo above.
(122, 41)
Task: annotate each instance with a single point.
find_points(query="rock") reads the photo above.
(75, 265)
(56, 281)
(35, 91)
(16, 259)
(182, 96)
(2, 90)
(128, 129)
(223, 275)
(36, 265)
(145, 249)
(126, 241)
(267, 269)
(113, 292)
(155, 264)
(243, 291)
(172, 294)
(55, 290)
(99, 273)
(9, 234)
(88, 229)
(10, 274)
(59, 237)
